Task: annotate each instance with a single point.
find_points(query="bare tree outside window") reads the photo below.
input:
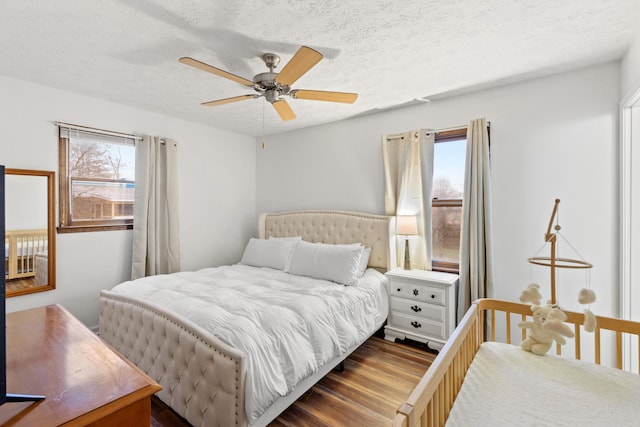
(446, 221)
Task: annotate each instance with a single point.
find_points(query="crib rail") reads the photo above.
(431, 400)
(430, 403)
(21, 247)
(618, 327)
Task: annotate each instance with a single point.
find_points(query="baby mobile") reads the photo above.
(547, 325)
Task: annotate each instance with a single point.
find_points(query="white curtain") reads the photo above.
(156, 244)
(476, 254)
(408, 169)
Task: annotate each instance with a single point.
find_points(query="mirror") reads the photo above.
(30, 250)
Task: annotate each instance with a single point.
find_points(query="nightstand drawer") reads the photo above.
(418, 309)
(417, 292)
(419, 326)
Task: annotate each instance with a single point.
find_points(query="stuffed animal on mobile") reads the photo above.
(547, 326)
(531, 295)
(587, 296)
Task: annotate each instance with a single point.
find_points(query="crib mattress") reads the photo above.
(506, 385)
(288, 326)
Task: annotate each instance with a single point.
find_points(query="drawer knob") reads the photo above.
(416, 325)
(433, 295)
(416, 308)
(398, 289)
(416, 292)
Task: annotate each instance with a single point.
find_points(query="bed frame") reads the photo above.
(203, 378)
(22, 247)
(432, 399)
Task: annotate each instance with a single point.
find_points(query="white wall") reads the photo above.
(630, 68)
(550, 138)
(630, 183)
(217, 189)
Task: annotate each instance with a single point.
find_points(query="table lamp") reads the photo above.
(406, 225)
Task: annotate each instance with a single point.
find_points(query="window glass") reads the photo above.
(448, 169)
(97, 182)
(447, 192)
(447, 222)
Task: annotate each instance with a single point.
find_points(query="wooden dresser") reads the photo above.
(51, 353)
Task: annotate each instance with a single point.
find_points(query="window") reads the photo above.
(448, 187)
(97, 180)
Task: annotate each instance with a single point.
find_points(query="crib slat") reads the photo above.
(597, 344)
(619, 350)
(576, 329)
(437, 405)
(493, 325)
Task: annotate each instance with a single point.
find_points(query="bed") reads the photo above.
(570, 387)
(21, 249)
(211, 373)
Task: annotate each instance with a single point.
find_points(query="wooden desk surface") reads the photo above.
(51, 353)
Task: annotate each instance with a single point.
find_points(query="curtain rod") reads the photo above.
(400, 136)
(98, 131)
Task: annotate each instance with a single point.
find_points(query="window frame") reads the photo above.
(447, 136)
(66, 223)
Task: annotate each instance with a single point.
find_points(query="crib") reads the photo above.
(22, 249)
(490, 320)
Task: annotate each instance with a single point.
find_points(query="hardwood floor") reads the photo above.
(378, 376)
(19, 284)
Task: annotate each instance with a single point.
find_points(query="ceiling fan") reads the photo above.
(273, 86)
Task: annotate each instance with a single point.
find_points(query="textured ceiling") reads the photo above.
(390, 52)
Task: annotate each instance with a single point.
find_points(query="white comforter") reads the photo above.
(288, 326)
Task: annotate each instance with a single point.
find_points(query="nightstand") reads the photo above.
(422, 306)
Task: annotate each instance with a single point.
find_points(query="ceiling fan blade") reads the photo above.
(284, 110)
(320, 95)
(304, 59)
(213, 70)
(229, 100)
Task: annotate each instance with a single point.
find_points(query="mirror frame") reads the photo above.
(51, 230)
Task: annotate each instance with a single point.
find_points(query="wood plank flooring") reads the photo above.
(20, 284)
(378, 377)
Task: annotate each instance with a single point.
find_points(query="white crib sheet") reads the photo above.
(507, 386)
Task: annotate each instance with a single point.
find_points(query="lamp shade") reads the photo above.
(406, 225)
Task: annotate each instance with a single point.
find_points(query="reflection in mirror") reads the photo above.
(29, 245)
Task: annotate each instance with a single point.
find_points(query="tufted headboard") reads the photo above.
(374, 231)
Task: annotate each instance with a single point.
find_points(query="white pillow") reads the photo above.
(364, 261)
(272, 253)
(295, 240)
(337, 263)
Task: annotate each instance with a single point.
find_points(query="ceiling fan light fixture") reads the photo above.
(272, 95)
